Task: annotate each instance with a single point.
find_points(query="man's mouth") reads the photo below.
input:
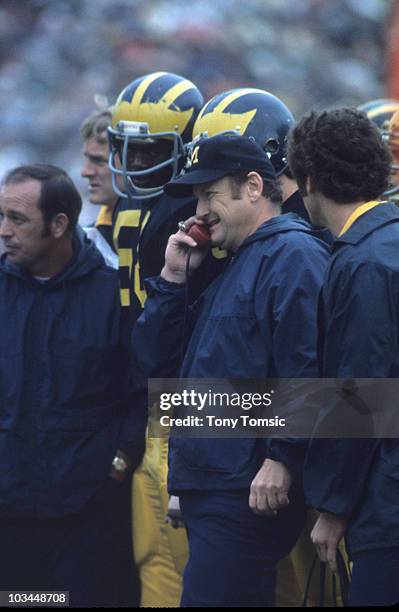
(10, 248)
(139, 180)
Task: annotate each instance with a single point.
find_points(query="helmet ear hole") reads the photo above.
(271, 146)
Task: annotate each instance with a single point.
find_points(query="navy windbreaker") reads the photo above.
(65, 404)
(256, 320)
(141, 233)
(359, 337)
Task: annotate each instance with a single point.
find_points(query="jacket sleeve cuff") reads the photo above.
(161, 285)
(289, 451)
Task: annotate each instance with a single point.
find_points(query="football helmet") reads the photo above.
(393, 142)
(382, 113)
(249, 112)
(393, 139)
(152, 121)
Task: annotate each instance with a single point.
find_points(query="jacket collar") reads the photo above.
(287, 222)
(295, 204)
(379, 216)
(85, 258)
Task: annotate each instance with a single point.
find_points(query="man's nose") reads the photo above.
(202, 209)
(138, 158)
(87, 170)
(5, 228)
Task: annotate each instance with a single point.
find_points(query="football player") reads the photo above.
(151, 126)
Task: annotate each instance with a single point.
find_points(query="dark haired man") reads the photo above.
(342, 167)
(256, 320)
(40, 209)
(68, 433)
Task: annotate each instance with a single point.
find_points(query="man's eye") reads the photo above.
(146, 156)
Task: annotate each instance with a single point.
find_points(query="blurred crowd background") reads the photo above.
(55, 55)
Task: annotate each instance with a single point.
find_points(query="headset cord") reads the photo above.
(186, 306)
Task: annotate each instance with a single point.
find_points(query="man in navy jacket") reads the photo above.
(256, 320)
(342, 166)
(68, 429)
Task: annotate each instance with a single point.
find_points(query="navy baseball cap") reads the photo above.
(216, 157)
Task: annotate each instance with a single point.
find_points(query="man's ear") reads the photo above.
(59, 225)
(254, 185)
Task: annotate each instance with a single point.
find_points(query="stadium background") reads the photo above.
(56, 54)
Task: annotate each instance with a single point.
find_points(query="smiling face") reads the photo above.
(22, 227)
(95, 169)
(229, 215)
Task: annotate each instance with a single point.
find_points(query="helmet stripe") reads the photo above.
(214, 123)
(217, 120)
(177, 90)
(233, 96)
(145, 83)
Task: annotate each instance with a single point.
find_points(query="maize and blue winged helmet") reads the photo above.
(249, 112)
(152, 122)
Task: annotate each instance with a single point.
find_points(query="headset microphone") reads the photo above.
(199, 233)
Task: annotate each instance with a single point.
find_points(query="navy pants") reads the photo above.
(87, 554)
(234, 552)
(375, 578)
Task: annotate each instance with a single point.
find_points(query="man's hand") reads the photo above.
(269, 488)
(326, 534)
(176, 254)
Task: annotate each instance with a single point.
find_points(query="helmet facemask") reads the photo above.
(149, 180)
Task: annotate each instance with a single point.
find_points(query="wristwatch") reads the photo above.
(119, 466)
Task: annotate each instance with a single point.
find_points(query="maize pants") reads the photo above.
(160, 550)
